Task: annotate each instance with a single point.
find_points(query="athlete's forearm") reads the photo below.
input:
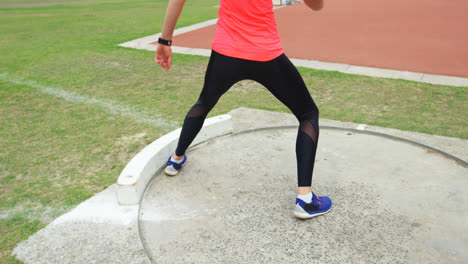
(314, 4)
(172, 15)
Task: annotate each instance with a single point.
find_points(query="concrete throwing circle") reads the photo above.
(232, 203)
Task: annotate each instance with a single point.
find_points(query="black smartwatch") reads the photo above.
(165, 42)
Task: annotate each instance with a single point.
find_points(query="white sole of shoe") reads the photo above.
(302, 214)
(170, 171)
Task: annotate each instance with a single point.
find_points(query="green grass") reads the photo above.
(57, 153)
(12, 230)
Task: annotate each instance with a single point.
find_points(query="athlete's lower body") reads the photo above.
(283, 80)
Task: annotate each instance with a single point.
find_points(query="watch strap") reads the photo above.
(165, 42)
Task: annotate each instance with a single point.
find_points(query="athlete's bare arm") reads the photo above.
(163, 55)
(314, 4)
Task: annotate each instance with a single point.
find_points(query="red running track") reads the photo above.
(427, 36)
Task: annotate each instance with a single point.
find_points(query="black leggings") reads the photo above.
(282, 79)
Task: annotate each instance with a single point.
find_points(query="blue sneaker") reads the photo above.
(318, 206)
(173, 168)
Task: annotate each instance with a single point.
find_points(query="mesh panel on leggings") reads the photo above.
(307, 127)
(199, 110)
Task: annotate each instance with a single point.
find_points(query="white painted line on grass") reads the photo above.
(109, 106)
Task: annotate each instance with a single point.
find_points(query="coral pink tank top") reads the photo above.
(247, 29)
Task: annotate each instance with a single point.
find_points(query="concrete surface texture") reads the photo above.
(136, 175)
(96, 231)
(232, 203)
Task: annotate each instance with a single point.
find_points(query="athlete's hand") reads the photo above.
(164, 56)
